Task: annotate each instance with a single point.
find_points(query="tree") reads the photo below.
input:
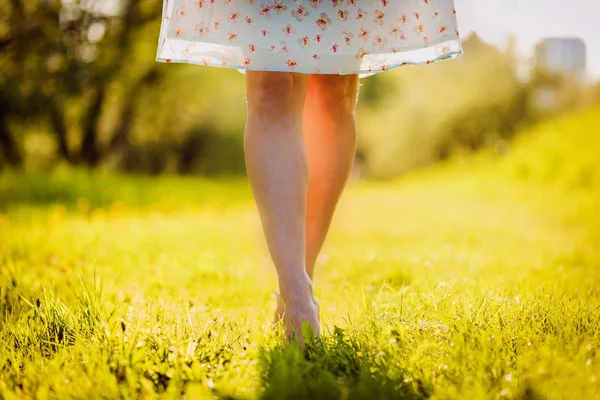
(54, 54)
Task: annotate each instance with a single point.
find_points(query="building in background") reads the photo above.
(565, 56)
(562, 55)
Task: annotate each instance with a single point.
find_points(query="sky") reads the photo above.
(532, 20)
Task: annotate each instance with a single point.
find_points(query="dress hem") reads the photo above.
(362, 73)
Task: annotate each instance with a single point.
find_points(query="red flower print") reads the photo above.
(361, 54)
(334, 48)
(443, 29)
(361, 14)
(232, 36)
(351, 2)
(201, 29)
(379, 41)
(265, 9)
(182, 12)
(378, 18)
(316, 57)
(315, 3)
(247, 61)
(252, 48)
(420, 29)
(288, 30)
(249, 20)
(363, 34)
(300, 13)
(323, 21)
(233, 17)
(304, 41)
(342, 14)
(279, 7)
(291, 63)
(404, 19)
(348, 37)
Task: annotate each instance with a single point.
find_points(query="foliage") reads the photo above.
(79, 84)
(62, 62)
(450, 109)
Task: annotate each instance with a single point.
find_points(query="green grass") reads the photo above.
(475, 280)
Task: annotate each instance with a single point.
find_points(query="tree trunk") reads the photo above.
(8, 145)
(57, 120)
(90, 153)
(121, 136)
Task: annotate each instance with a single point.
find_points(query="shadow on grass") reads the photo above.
(333, 367)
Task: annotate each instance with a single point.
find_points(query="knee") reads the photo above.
(338, 94)
(271, 92)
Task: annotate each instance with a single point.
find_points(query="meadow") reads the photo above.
(474, 279)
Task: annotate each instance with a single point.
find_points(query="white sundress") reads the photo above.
(309, 36)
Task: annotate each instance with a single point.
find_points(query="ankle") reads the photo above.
(294, 288)
(293, 278)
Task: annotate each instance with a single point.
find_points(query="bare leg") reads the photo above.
(278, 173)
(331, 140)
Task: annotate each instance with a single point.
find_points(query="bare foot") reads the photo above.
(299, 305)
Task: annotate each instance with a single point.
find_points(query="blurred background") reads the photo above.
(79, 85)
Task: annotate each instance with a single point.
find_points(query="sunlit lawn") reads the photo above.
(472, 280)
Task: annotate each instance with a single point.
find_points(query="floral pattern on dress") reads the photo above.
(309, 36)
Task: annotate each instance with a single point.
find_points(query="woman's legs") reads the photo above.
(278, 173)
(331, 140)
